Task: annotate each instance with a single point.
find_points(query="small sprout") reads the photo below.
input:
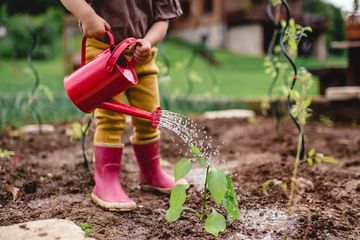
(4, 153)
(113, 232)
(10, 155)
(274, 182)
(195, 150)
(75, 131)
(71, 218)
(326, 120)
(86, 227)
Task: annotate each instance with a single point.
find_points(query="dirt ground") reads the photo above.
(50, 171)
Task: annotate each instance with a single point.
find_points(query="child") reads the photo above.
(147, 21)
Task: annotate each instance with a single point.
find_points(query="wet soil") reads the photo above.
(54, 184)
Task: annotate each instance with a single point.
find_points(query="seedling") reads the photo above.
(71, 218)
(217, 184)
(80, 131)
(113, 232)
(274, 182)
(10, 155)
(86, 227)
(290, 35)
(74, 132)
(4, 153)
(326, 120)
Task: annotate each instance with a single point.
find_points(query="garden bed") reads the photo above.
(328, 209)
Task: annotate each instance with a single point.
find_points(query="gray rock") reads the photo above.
(343, 93)
(232, 113)
(34, 128)
(48, 229)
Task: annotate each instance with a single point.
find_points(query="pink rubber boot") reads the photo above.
(108, 192)
(152, 176)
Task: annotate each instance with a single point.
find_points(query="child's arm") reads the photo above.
(155, 34)
(92, 24)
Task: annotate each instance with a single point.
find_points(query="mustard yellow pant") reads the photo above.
(144, 95)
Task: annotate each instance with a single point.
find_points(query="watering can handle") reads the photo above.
(119, 49)
(83, 46)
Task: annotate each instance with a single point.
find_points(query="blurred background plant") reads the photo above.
(236, 76)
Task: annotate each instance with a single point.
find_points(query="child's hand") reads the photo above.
(142, 50)
(94, 26)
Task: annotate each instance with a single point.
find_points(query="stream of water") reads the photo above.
(190, 133)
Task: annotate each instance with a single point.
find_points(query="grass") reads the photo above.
(237, 77)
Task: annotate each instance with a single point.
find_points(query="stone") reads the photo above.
(48, 229)
(232, 113)
(35, 128)
(343, 93)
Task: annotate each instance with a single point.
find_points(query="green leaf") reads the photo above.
(284, 187)
(202, 162)
(310, 161)
(178, 195)
(266, 185)
(306, 103)
(329, 159)
(173, 214)
(46, 91)
(215, 223)
(230, 202)
(217, 184)
(177, 200)
(295, 95)
(195, 150)
(311, 152)
(182, 168)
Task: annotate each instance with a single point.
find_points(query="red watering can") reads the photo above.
(95, 83)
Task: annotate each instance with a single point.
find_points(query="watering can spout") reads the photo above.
(114, 106)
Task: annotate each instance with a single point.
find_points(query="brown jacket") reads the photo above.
(133, 18)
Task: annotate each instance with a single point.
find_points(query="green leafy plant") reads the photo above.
(4, 153)
(288, 36)
(217, 184)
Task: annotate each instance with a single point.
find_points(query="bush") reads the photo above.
(17, 42)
